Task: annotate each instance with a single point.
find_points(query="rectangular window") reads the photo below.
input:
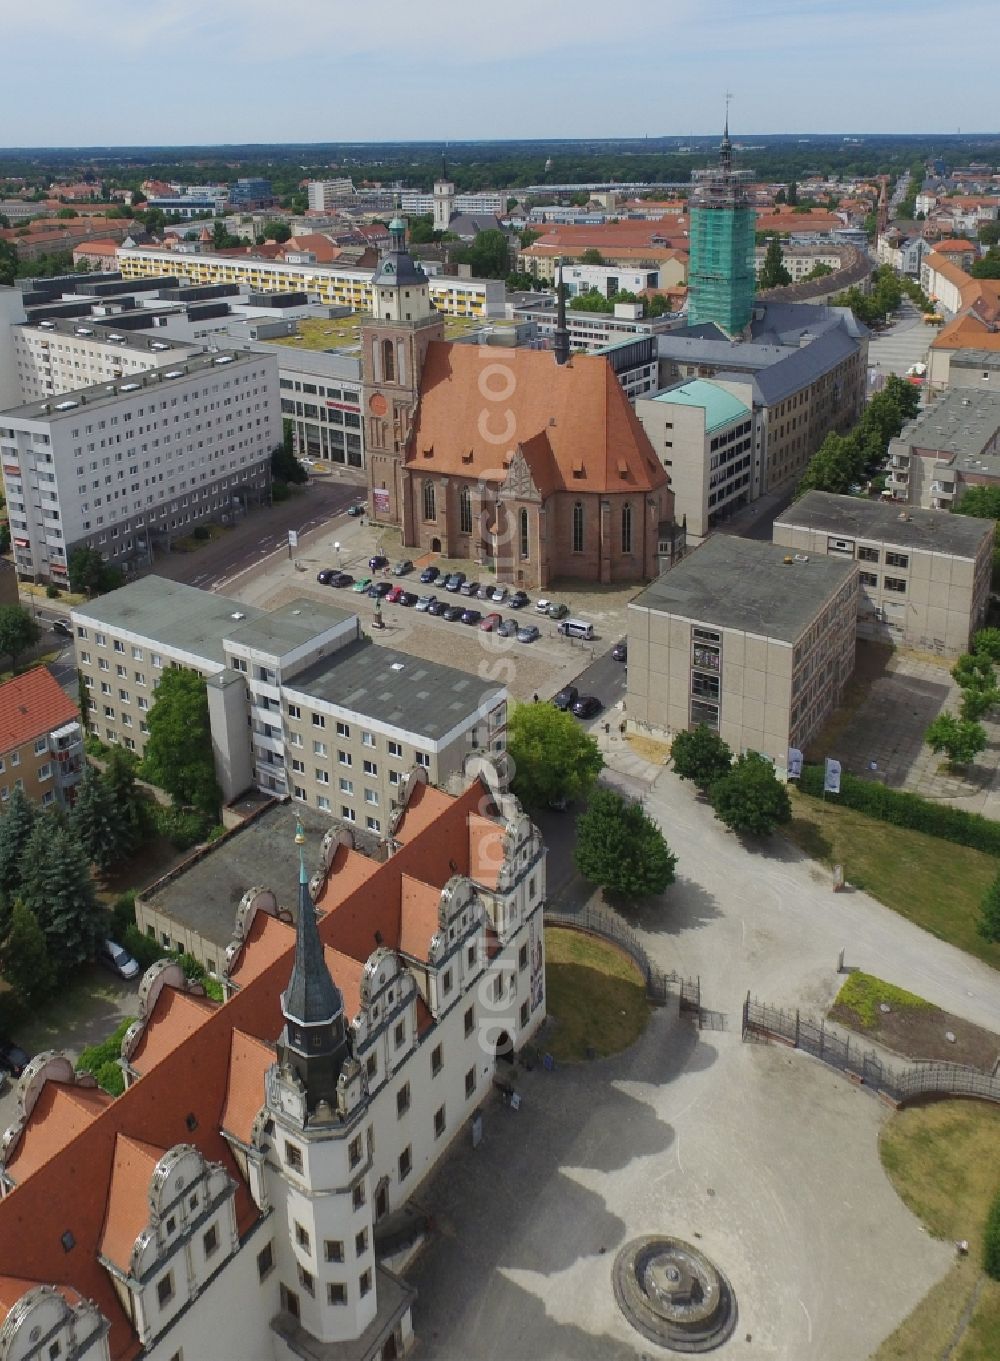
(866, 554)
(318, 721)
(293, 1157)
(402, 1100)
(371, 796)
(333, 1250)
(354, 1150)
(897, 584)
(336, 1292)
(302, 1236)
(395, 748)
(399, 1036)
(365, 1282)
(346, 786)
(371, 1065)
(306, 1281)
(405, 1163)
(344, 757)
(367, 739)
(265, 1261)
(438, 1122)
(40, 746)
(437, 1060)
(210, 1240)
(319, 748)
(522, 957)
(294, 711)
(868, 579)
(470, 1082)
(524, 1014)
(361, 1243)
(359, 1195)
(423, 759)
(897, 560)
(343, 729)
(165, 1289)
(470, 1020)
(370, 768)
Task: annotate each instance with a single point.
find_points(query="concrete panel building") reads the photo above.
(924, 575)
(953, 445)
(41, 741)
(64, 354)
(750, 639)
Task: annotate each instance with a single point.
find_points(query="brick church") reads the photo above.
(529, 461)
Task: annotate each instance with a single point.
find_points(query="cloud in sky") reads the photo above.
(247, 70)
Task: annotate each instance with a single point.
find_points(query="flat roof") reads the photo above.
(394, 687)
(171, 614)
(744, 584)
(204, 892)
(292, 625)
(961, 422)
(936, 531)
(720, 407)
(107, 331)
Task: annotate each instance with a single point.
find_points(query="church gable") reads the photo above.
(519, 484)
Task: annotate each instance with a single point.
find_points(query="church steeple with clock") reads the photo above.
(394, 342)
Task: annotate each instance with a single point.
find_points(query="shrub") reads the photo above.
(52, 591)
(12, 1012)
(101, 1060)
(93, 746)
(903, 809)
(123, 914)
(201, 533)
(144, 949)
(991, 1240)
(183, 827)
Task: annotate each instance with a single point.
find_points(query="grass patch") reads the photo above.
(595, 995)
(863, 994)
(937, 885)
(656, 753)
(942, 1161)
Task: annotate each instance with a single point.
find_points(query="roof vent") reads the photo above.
(396, 666)
(236, 614)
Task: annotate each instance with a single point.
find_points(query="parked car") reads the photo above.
(454, 581)
(557, 611)
(498, 594)
(491, 622)
(518, 600)
(527, 633)
(471, 616)
(484, 592)
(342, 579)
(437, 606)
(407, 598)
(468, 588)
(402, 568)
(425, 602)
(619, 653)
(452, 612)
(377, 561)
(60, 626)
(378, 590)
(362, 584)
(324, 577)
(357, 509)
(507, 628)
(542, 605)
(13, 1059)
(566, 697)
(392, 595)
(117, 959)
(587, 706)
(430, 574)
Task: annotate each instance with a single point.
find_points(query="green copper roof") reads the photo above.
(397, 225)
(721, 407)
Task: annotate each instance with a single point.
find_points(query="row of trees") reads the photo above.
(962, 737)
(745, 794)
(843, 461)
(873, 308)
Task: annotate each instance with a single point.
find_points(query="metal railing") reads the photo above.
(659, 985)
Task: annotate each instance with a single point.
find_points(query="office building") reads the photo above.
(248, 194)
(748, 638)
(321, 395)
(63, 354)
(41, 741)
(924, 575)
(299, 701)
(325, 195)
(239, 1197)
(723, 226)
(122, 466)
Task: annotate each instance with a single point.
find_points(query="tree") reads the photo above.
(178, 754)
(67, 213)
(26, 964)
(793, 194)
(15, 833)
(750, 798)
(18, 631)
(488, 256)
(959, 738)
(988, 925)
(553, 758)
(277, 231)
(620, 847)
(592, 256)
(988, 266)
(95, 822)
(835, 467)
(58, 888)
(989, 234)
(982, 501)
(285, 467)
(773, 273)
(132, 807)
(700, 755)
(88, 572)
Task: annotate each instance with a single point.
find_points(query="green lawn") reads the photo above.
(595, 995)
(935, 883)
(863, 994)
(942, 1161)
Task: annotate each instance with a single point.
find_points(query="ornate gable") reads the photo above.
(519, 484)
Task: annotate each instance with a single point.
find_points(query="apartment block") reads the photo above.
(750, 639)
(41, 741)
(300, 702)
(62, 354)
(953, 444)
(924, 575)
(124, 466)
(325, 283)
(326, 194)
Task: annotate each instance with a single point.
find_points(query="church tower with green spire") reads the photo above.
(723, 226)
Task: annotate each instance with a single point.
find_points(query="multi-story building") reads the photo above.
(904, 253)
(325, 283)
(299, 701)
(723, 226)
(952, 445)
(445, 199)
(240, 1187)
(924, 576)
(703, 430)
(248, 194)
(41, 741)
(591, 332)
(606, 279)
(321, 396)
(326, 194)
(750, 639)
(63, 354)
(800, 261)
(123, 465)
(188, 206)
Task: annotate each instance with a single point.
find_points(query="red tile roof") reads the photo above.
(955, 245)
(573, 422)
(31, 706)
(249, 1060)
(61, 1111)
(128, 1198)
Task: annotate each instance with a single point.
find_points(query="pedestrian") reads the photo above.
(534, 699)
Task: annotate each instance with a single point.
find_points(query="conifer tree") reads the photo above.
(26, 963)
(95, 821)
(58, 888)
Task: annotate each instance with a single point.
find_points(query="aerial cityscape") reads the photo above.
(499, 689)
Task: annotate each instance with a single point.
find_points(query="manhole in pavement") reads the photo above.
(673, 1294)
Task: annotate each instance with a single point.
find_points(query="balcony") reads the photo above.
(269, 742)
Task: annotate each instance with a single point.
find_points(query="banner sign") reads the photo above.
(831, 778)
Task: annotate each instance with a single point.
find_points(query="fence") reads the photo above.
(659, 985)
(900, 1084)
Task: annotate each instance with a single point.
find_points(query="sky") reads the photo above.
(211, 71)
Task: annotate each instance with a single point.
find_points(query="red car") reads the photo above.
(393, 596)
(491, 622)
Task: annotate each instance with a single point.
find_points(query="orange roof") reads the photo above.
(956, 245)
(61, 1111)
(32, 705)
(420, 906)
(486, 851)
(97, 248)
(947, 269)
(128, 1198)
(346, 973)
(966, 333)
(781, 218)
(572, 421)
(316, 244)
(175, 1016)
(424, 805)
(249, 1060)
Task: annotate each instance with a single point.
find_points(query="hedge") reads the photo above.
(991, 1240)
(101, 1060)
(903, 809)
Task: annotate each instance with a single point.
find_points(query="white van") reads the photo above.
(576, 628)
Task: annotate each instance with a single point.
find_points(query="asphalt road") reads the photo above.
(605, 678)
